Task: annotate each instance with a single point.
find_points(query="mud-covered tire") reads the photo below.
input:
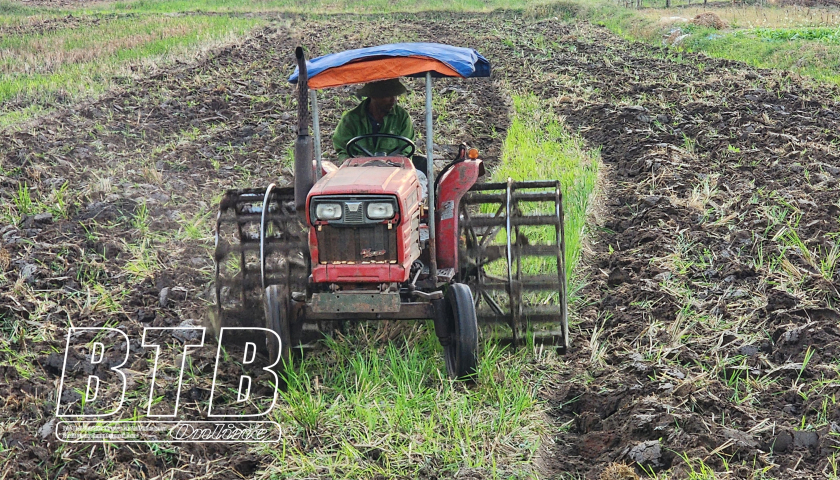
(277, 311)
(462, 352)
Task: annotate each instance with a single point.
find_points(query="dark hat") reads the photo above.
(382, 88)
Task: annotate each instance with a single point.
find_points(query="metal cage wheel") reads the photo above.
(505, 230)
(473, 257)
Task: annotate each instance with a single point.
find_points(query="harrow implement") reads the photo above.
(260, 242)
(511, 235)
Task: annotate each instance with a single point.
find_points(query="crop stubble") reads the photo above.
(682, 280)
(694, 147)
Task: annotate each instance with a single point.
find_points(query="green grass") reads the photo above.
(365, 407)
(315, 6)
(782, 49)
(9, 9)
(812, 51)
(39, 70)
(624, 22)
(824, 34)
(539, 147)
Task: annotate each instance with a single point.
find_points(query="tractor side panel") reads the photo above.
(411, 238)
(314, 253)
(410, 228)
(454, 184)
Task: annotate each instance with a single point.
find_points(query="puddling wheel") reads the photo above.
(462, 349)
(277, 314)
(260, 241)
(514, 259)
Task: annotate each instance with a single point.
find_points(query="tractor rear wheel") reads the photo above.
(277, 313)
(462, 351)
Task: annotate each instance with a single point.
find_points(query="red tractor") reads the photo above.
(365, 241)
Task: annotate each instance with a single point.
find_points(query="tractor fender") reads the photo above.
(453, 185)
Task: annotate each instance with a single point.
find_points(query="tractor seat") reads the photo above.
(420, 162)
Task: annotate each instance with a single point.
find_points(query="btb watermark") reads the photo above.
(101, 398)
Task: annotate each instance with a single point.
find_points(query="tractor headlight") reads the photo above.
(328, 211)
(380, 210)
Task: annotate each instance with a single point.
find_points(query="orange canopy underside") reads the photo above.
(364, 71)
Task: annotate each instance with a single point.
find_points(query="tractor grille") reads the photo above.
(355, 245)
(354, 212)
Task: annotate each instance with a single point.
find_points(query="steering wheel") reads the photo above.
(353, 144)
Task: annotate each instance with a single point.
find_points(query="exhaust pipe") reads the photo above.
(304, 173)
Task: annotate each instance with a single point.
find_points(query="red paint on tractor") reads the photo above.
(371, 176)
(360, 273)
(389, 175)
(327, 167)
(453, 185)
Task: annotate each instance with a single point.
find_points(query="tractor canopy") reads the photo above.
(394, 60)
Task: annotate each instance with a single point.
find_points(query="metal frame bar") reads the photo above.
(408, 311)
(316, 127)
(514, 318)
(430, 176)
(561, 268)
(263, 218)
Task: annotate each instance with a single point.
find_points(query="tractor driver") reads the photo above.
(378, 113)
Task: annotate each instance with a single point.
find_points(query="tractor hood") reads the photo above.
(384, 175)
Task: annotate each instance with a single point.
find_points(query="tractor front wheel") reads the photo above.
(462, 351)
(277, 313)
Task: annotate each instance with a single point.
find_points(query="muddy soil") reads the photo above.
(137, 169)
(38, 26)
(711, 294)
(712, 281)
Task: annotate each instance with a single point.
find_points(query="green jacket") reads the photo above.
(355, 122)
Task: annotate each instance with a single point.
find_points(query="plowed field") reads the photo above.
(706, 335)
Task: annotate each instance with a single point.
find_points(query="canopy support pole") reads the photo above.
(316, 126)
(430, 176)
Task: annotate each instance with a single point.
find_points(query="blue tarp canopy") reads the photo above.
(393, 61)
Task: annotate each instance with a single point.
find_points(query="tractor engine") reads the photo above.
(364, 222)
